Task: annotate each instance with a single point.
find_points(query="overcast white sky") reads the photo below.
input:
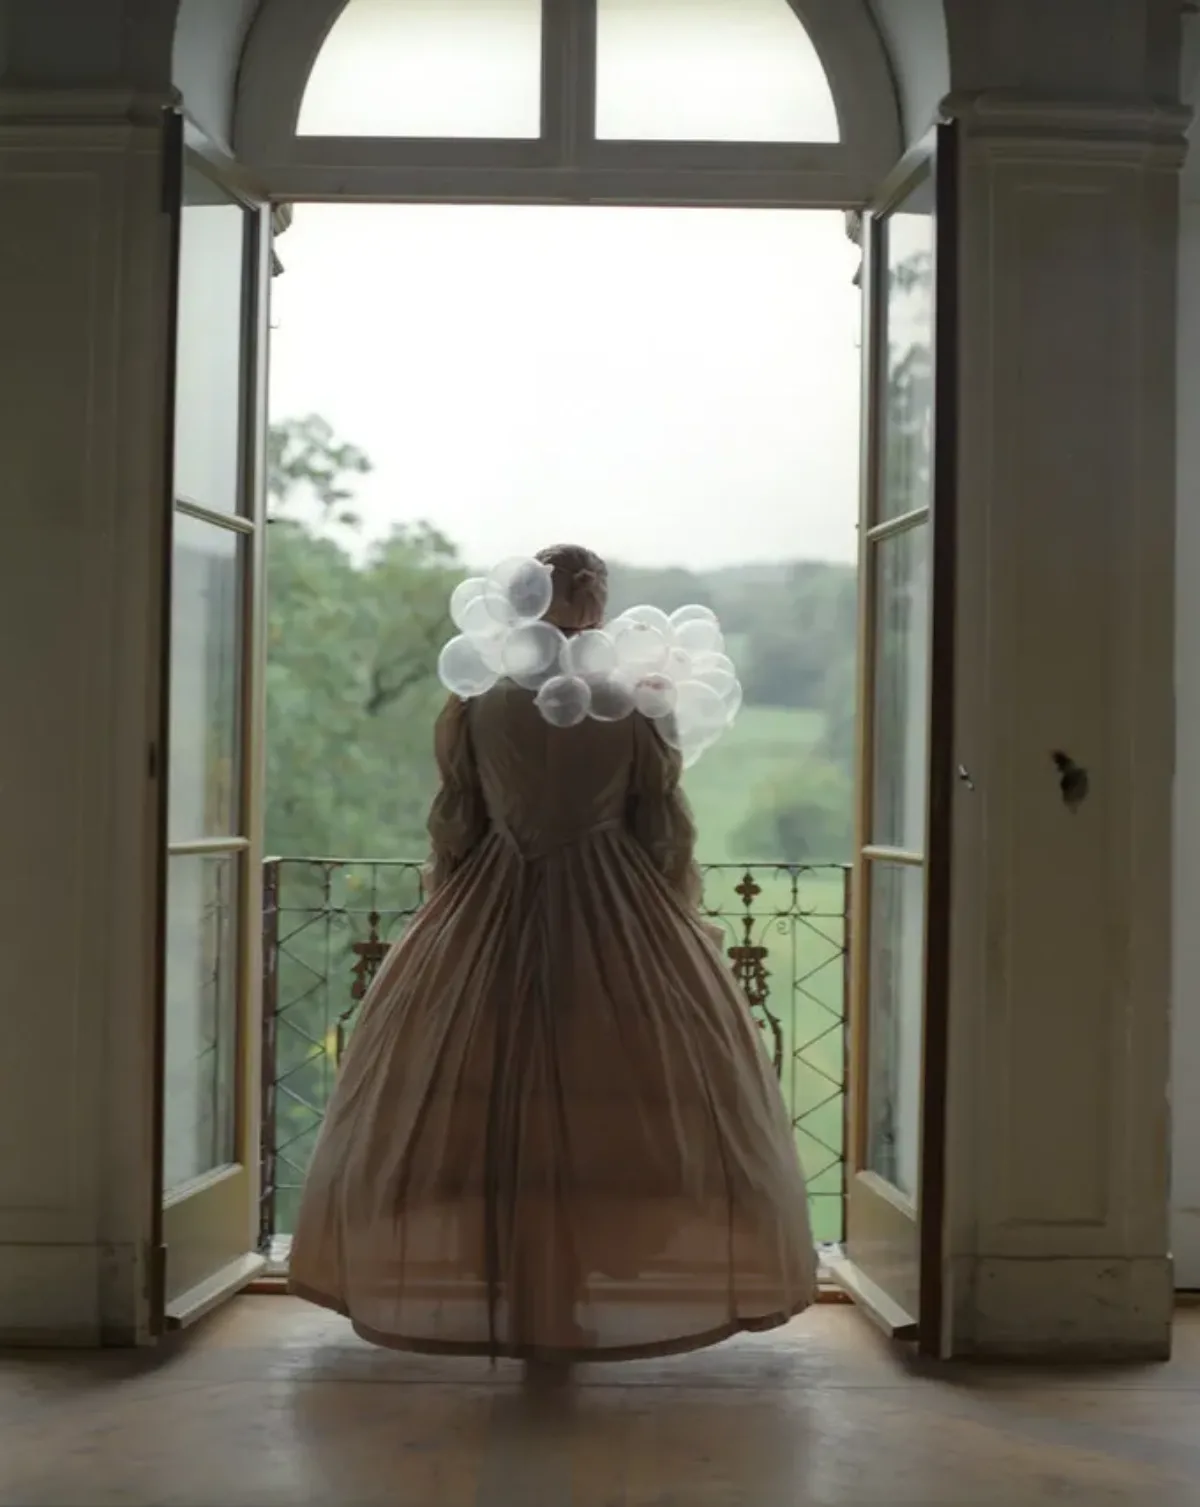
(668, 386)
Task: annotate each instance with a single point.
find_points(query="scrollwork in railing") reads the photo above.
(369, 956)
(749, 962)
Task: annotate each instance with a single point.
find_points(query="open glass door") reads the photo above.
(210, 990)
(892, 1257)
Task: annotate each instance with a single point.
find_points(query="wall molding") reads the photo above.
(81, 107)
(1113, 130)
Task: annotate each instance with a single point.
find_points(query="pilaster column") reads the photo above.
(1057, 1179)
(1185, 1100)
(85, 309)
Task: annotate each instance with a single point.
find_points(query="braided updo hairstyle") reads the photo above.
(580, 587)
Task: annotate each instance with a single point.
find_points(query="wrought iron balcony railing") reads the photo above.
(328, 924)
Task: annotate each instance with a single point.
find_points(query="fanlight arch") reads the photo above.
(779, 102)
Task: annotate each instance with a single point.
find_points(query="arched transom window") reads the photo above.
(636, 101)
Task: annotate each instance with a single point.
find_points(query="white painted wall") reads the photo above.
(208, 46)
(914, 32)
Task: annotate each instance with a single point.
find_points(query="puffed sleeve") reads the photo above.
(458, 817)
(659, 816)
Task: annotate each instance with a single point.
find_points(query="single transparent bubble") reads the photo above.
(463, 598)
(612, 698)
(733, 703)
(698, 636)
(695, 746)
(693, 614)
(531, 649)
(674, 731)
(680, 664)
(590, 653)
(653, 617)
(690, 741)
(641, 648)
(491, 648)
(698, 706)
(462, 669)
(699, 718)
(668, 730)
(655, 696)
(525, 589)
(702, 662)
(721, 681)
(483, 616)
(536, 679)
(564, 700)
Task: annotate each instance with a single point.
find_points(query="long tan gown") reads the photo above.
(555, 1129)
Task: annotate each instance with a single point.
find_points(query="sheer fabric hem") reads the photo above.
(684, 1345)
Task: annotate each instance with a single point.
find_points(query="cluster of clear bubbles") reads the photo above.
(672, 668)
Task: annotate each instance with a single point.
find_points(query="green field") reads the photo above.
(764, 741)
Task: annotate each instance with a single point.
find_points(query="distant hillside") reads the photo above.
(724, 589)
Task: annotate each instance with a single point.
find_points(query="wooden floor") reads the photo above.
(271, 1402)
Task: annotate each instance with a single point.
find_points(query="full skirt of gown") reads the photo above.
(555, 1130)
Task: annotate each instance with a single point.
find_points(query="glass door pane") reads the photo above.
(896, 566)
(900, 711)
(893, 1252)
(202, 1020)
(905, 343)
(895, 990)
(211, 360)
(209, 1130)
(207, 683)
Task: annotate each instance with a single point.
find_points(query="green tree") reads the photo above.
(352, 687)
(305, 456)
(799, 637)
(352, 692)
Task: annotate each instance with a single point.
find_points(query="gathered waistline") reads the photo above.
(556, 845)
